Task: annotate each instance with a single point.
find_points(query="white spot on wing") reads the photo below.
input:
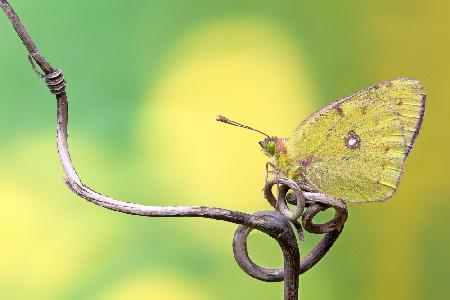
(352, 142)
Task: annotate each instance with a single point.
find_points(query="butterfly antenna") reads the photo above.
(228, 121)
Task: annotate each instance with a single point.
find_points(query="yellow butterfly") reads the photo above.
(355, 148)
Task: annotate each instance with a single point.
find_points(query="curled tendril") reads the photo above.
(280, 204)
(314, 203)
(241, 253)
(56, 82)
(54, 79)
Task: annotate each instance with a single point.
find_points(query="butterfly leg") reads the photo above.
(273, 171)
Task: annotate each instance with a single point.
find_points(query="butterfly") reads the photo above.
(355, 148)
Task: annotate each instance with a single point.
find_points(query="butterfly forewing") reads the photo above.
(354, 149)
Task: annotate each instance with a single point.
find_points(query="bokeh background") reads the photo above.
(146, 80)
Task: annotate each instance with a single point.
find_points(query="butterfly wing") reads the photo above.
(406, 97)
(355, 149)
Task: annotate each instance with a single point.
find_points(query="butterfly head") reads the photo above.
(268, 146)
(273, 146)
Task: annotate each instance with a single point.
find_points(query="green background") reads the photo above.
(145, 81)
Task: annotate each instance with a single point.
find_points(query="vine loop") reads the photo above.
(280, 203)
(314, 203)
(241, 253)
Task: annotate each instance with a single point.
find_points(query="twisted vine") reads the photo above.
(276, 224)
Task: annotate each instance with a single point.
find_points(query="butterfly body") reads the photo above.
(355, 148)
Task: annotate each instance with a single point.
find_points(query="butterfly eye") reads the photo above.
(270, 148)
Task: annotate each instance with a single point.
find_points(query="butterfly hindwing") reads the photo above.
(355, 148)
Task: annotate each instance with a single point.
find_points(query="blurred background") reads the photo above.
(146, 80)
